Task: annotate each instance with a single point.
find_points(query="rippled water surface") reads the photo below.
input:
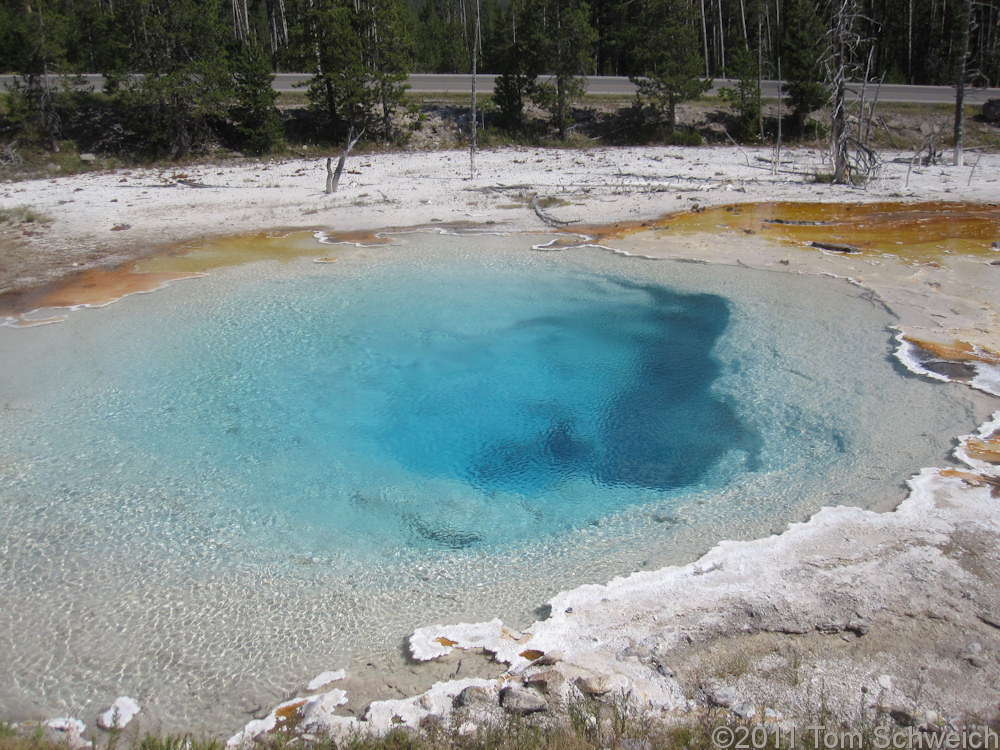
(213, 492)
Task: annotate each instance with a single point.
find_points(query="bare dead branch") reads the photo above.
(544, 216)
(333, 176)
(731, 140)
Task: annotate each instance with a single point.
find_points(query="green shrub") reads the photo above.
(23, 215)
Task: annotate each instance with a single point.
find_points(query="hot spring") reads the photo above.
(214, 492)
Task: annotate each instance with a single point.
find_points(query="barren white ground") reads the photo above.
(99, 216)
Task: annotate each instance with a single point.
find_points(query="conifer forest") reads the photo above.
(180, 72)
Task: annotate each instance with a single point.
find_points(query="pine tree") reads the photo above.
(181, 49)
(561, 39)
(388, 53)
(746, 96)
(361, 50)
(35, 42)
(442, 37)
(612, 21)
(667, 52)
(256, 119)
(511, 57)
(339, 89)
(803, 49)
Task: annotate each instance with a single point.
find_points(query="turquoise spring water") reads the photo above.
(212, 492)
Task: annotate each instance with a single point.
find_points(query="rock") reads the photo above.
(973, 654)
(903, 716)
(745, 710)
(67, 732)
(88, 158)
(546, 681)
(120, 713)
(991, 110)
(425, 702)
(930, 720)
(475, 695)
(549, 658)
(594, 684)
(723, 697)
(519, 700)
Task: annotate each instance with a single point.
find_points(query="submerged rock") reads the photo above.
(325, 679)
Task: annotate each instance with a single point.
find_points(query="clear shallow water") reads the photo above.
(213, 492)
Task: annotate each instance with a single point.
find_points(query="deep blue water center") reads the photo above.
(453, 402)
(607, 381)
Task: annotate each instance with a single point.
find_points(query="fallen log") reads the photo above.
(547, 218)
(837, 247)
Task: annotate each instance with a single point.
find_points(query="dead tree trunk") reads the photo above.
(722, 42)
(909, 42)
(777, 143)
(333, 176)
(474, 124)
(960, 76)
(760, 74)
(838, 119)
(241, 20)
(277, 27)
(704, 38)
(743, 19)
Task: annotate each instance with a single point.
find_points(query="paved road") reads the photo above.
(423, 83)
(622, 86)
